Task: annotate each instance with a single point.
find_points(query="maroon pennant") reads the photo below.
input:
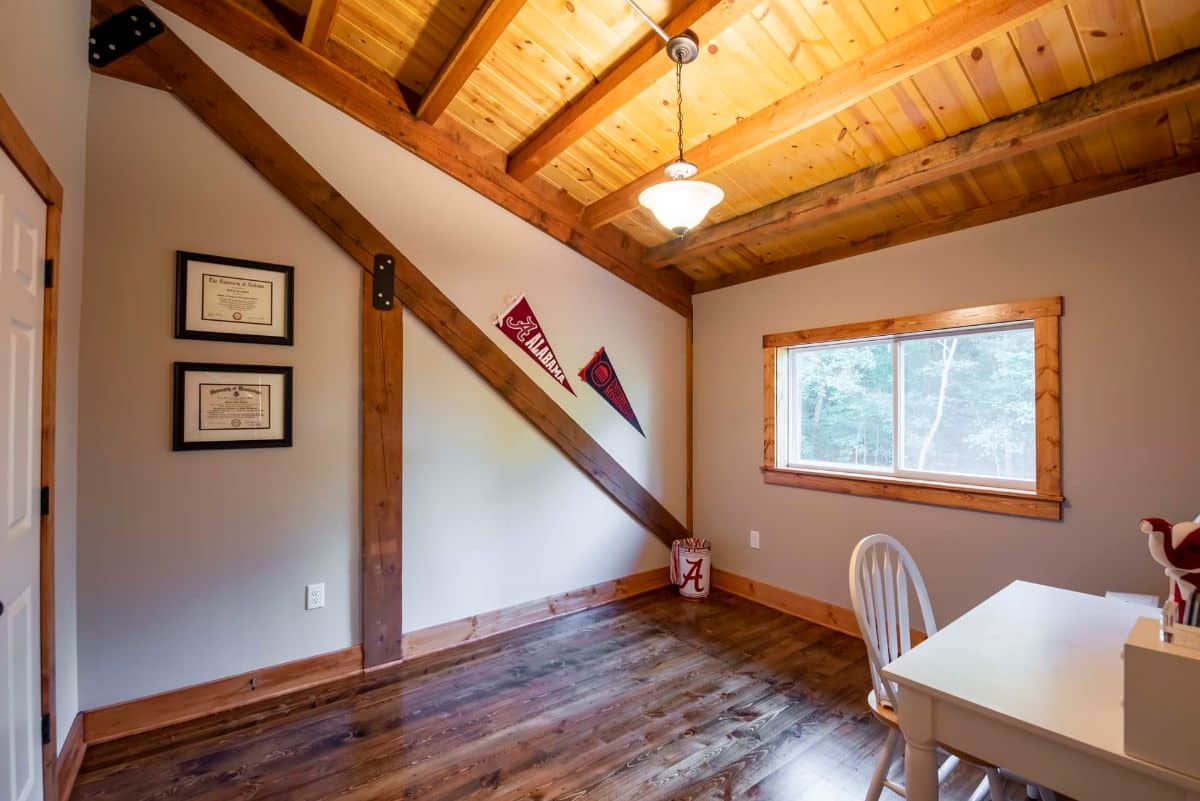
(520, 324)
(601, 376)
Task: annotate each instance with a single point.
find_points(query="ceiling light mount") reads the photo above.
(684, 48)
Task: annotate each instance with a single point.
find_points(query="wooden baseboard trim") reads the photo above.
(201, 700)
(805, 607)
(477, 627)
(70, 758)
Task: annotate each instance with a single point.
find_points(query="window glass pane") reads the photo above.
(969, 404)
(842, 405)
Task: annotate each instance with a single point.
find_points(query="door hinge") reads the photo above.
(45, 501)
(49, 273)
(383, 284)
(46, 729)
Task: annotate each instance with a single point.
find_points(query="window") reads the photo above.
(957, 408)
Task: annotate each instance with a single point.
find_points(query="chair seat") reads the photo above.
(887, 716)
(884, 714)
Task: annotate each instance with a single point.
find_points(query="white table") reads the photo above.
(1030, 680)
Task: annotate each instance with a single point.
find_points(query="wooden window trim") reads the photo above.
(1044, 502)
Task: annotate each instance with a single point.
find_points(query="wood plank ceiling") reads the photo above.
(791, 95)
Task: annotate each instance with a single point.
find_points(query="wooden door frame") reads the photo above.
(19, 147)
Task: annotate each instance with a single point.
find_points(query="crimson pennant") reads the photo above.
(520, 324)
(600, 375)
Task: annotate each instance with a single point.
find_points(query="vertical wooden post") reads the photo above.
(691, 371)
(382, 459)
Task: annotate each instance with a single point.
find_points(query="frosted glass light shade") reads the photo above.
(681, 205)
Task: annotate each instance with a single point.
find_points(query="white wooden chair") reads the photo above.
(882, 573)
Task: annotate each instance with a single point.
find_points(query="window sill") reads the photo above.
(981, 499)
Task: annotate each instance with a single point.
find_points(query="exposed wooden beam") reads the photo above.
(288, 15)
(231, 118)
(381, 106)
(382, 484)
(940, 37)
(479, 37)
(1146, 90)
(636, 72)
(351, 61)
(319, 23)
(134, 71)
(993, 212)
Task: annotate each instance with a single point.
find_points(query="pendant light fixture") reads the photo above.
(679, 203)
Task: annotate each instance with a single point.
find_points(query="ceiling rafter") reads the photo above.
(472, 47)
(1084, 189)
(461, 154)
(319, 23)
(937, 39)
(1143, 91)
(636, 71)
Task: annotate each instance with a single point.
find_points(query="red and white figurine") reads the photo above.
(1177, 548)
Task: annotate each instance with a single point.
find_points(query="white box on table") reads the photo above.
(1162, 700)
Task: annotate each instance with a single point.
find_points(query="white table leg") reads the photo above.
(920, 748)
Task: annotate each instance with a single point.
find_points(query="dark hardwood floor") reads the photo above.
(650, 698)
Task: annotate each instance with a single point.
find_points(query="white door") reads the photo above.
(22, 265)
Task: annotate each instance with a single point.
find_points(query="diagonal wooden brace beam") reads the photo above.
(229, 116)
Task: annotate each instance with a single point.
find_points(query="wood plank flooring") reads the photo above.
(652, 698)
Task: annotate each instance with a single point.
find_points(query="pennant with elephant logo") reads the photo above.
(520, 324)
(600, 375)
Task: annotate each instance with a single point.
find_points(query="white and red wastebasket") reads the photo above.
(691, 567)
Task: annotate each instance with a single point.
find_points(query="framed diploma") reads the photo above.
(232, 300)
(231, 406)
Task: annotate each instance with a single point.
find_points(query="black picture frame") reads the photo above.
(178, 404)
(183, 264)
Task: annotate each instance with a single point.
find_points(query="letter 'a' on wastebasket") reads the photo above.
(691, 567)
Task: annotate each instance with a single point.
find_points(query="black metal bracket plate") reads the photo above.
(121, 34)
(383, 286)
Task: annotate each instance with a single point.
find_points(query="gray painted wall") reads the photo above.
(1127, 268)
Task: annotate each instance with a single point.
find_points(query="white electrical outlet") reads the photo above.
(314, 596)
(754, 540)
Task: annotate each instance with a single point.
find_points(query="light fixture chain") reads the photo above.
(679, 104)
